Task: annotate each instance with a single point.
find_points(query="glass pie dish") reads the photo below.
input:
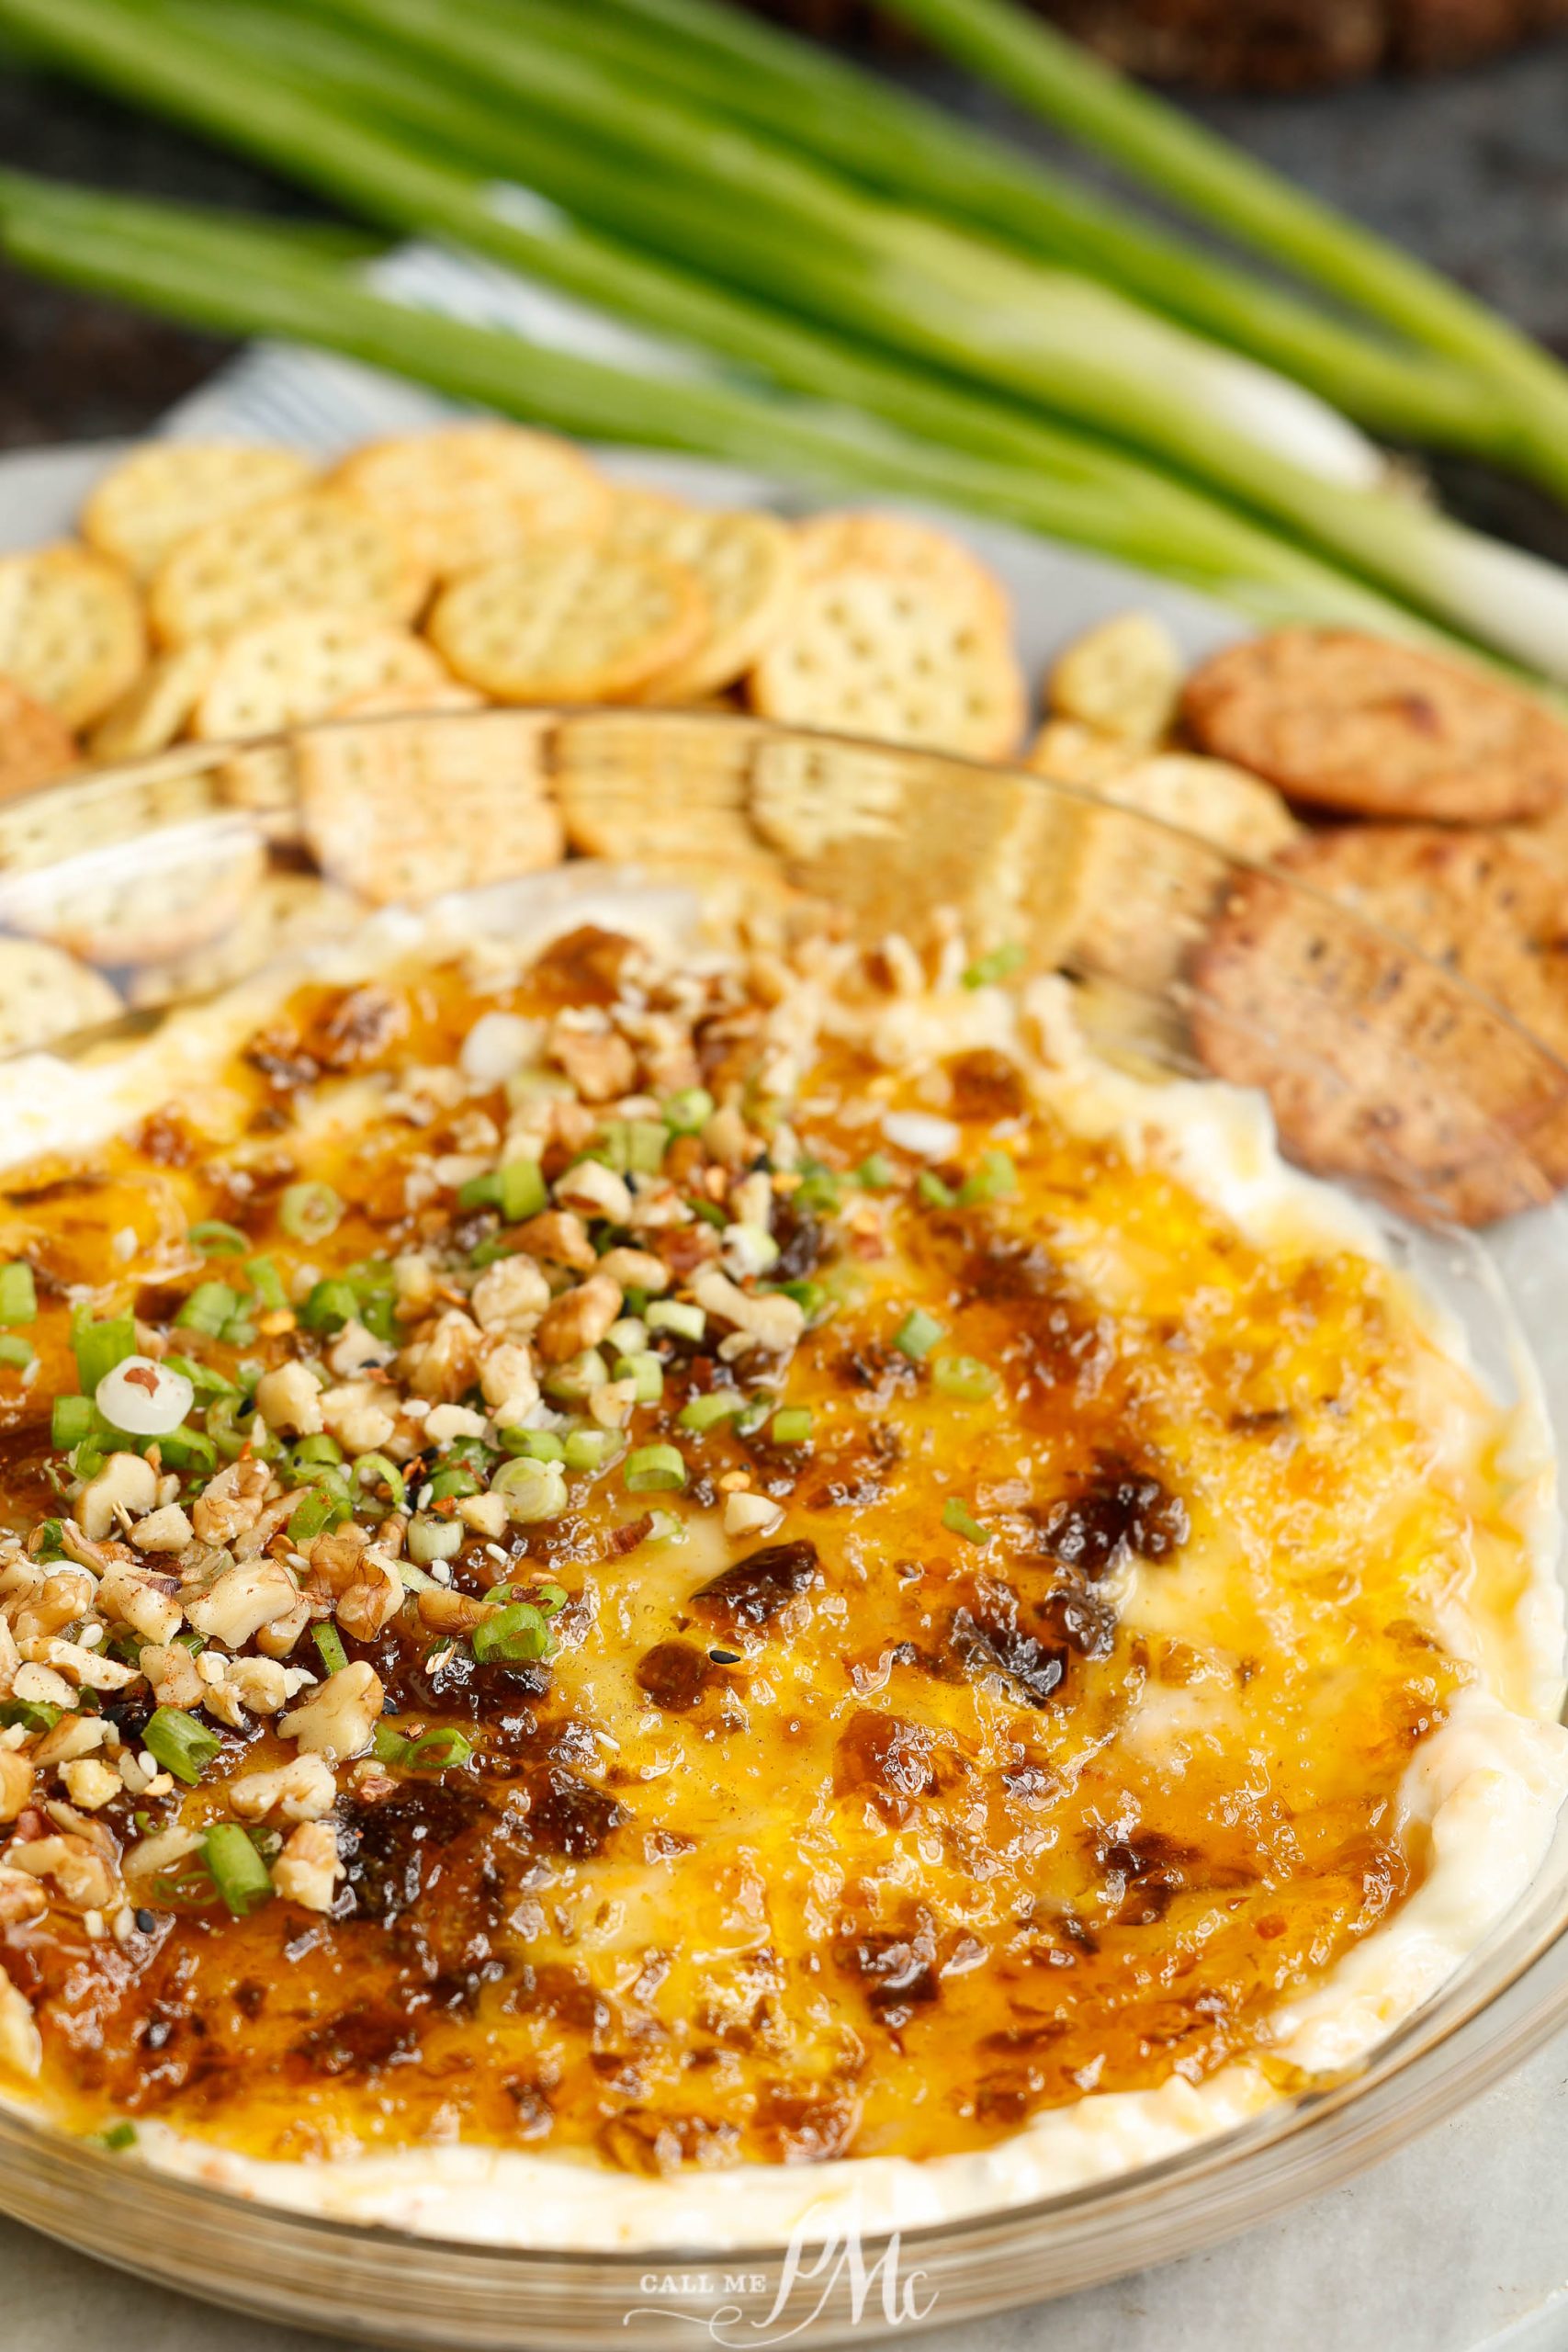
(750, 820)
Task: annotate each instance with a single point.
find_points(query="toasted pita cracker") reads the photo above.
(320, 549)
(285, 911)
(46, 994)
(281, 673)
(907, 550)
(140, 902)
(568, 620)
(1144, 898)
(166, 490)
(44, 828)
(473, 493)
(408, 809)
(1379, 1065)
(35, 746)
(1345, 722)
(1123, 677)
(867, 653)
(159, 707)
(746, 563)
(71, 630)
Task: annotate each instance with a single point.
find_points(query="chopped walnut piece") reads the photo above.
(63, 1596)
(260, 1684)
(507, 1382)
(304, 1789)
(172, 1672)
(308, 1870)
(771, 1322)
(128, 1484)
(355, 1350)
(81, 1876)
(597, 1060)
(559, 1238)
(139, 1597)
(231, 1501)
(21, 2045)
(15, 1783)
(636, 1270)
(165, 1530)
(594, 1191)
(21, 1897)
(442, 1361)
(510, 1296)
(289, 1401)
(579, 1319)
(338, 1722)
(90, 1783)
(356, 1414)
(244, 1599)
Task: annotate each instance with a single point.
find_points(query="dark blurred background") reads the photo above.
(1468, 167)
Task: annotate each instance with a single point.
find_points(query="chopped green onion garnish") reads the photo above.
(534, 1445)
(237, 1871)
(98, 1346)
(645, 1372)
(535, 1488)
(876, 1172)
(631, 1146)
(33, 1714)
(189, 1448)
(317, 1509)
(46, 1541)
(573, 1382)
(19, 1294)
(430, 1540)
(917, 1334)
(689, 1111)
(708, 1213)
(654, 1469)
(818, 1190)
(518, 1631)
(267, 1283)
(960, 1522)
(518, 1189)
(933, 1192)
(790, 1425)
(328, 1641)
(215, 1239)
(202, 1378)
(309, 1212)
(674, 1315)
(438, 1751)
(986, 970)
(810, 1297)
(208, 1307)
(374, 1468)
(486, 1253)
(16, 1351)
(319, 1448)
(181, 1744)
(448, 1485)
(71, 1420)
(329, 1306)
(115, 2139)
(667, 1527)
(717, 1404)
(965, 1376)
(996, 1178)
(588, 1449)
(551, 1597)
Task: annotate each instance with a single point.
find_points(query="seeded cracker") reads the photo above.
(866, 653)
(405, 809)
(568, 620)
(475, 492)
(298, 667)
(35, 746)
(71, 630)
(46, 994)
(166, 490)
(1375, 1068)
(1345, 722)
(317, 550)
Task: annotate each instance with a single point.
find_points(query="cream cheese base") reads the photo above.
(1486, 1787)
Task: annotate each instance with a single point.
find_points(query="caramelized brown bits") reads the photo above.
(758, 1588)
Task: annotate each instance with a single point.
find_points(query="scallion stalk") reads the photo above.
(237, 1871)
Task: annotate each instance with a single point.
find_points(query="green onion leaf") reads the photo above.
(917, 1334)
(312, 1515)
(267, 1283)
(329, 1306)
(215, 1239)
(535, 1488)
(16, 1351)
(588, 1449)
(645, 1372)
(960, 1522)
(533, 1445)
(715, 1404)
(202, 1378)
(237, 1871)
(189, 1448)
(674, 1315)
(965, 1377)
(19, 1294)
(180, 1743)
(72, 1422)
(987, 970)
(115, 2139)
(33, 1714)
(790, 1425)
(654, 1469)
(430, 1540)
(374, 1469)
(448, 1485)
(309, 1212)
(208, 1307)
(523, 1191)
(98, 1346)
(328, 1641)
(517, 1632)
(438, 1751)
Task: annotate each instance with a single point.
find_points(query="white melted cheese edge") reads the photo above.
(1487, 1785)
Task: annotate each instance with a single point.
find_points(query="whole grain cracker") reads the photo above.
(72, 633)
(1145, 897)
(319, 549)
(472, 493)
(1123, 677)
(140, 902)
(35, 746)
(568, 620)
(746, 563)
(46, 994)
(867, 653)
(866, 540)
(165, 489)
(409, 809)
(299, 666)
(1379, 1063)
(286, 910)
(158, 710)
(1341, 720)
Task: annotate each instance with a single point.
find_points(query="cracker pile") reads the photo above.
(219, 593)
